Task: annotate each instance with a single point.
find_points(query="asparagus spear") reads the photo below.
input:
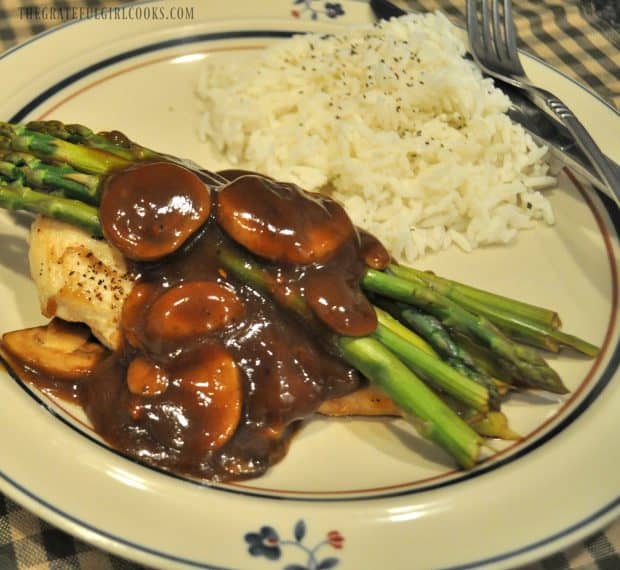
(494, 424)
(15, 196)
(518, 308)
(486, 360)
(396, 326)
(431, 417)
(526, 363)
(435, 333)
(435, 371)
(431, 329)
(47, 147)
(491, 423)
(115, 142)
(36, 173)
(524, 322)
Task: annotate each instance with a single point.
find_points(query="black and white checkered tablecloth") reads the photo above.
(579, 37)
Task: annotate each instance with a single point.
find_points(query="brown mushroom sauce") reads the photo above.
(215, 375)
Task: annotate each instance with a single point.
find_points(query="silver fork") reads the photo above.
(493, 42)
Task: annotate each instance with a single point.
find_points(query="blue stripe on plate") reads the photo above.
(67, 81)
(603, 381)
(109, 536)
(606, 509)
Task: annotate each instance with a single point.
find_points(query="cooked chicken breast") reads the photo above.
(78, 278)
(368, 401)
(81, 279)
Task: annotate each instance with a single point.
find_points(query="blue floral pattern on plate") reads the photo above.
(314, 9)
(266, 542)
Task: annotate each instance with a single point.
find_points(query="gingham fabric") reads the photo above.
(572, 35)
(581, 38)
(28, 542)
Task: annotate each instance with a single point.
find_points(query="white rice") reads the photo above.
(393, 122)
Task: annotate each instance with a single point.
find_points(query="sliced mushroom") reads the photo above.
(134, 309)
(146, 378)
(152, 209)
(281, 222)
(60, 349)
(191, 310)
(214, 381)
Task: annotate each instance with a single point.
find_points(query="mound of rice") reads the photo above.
(392, 121)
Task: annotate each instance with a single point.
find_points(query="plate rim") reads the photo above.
(613, 505)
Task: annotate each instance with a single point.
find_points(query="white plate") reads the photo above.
(397, 503)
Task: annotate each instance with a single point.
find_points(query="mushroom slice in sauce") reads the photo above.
(151, 210)
(213, 380)
(60, 349)
(146, 378)
(281, 222)
(192, 309)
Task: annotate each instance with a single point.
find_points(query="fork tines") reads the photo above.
(492, 35)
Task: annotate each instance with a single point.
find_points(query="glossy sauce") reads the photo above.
(215, 375)
(151, 208)
(53, 387)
